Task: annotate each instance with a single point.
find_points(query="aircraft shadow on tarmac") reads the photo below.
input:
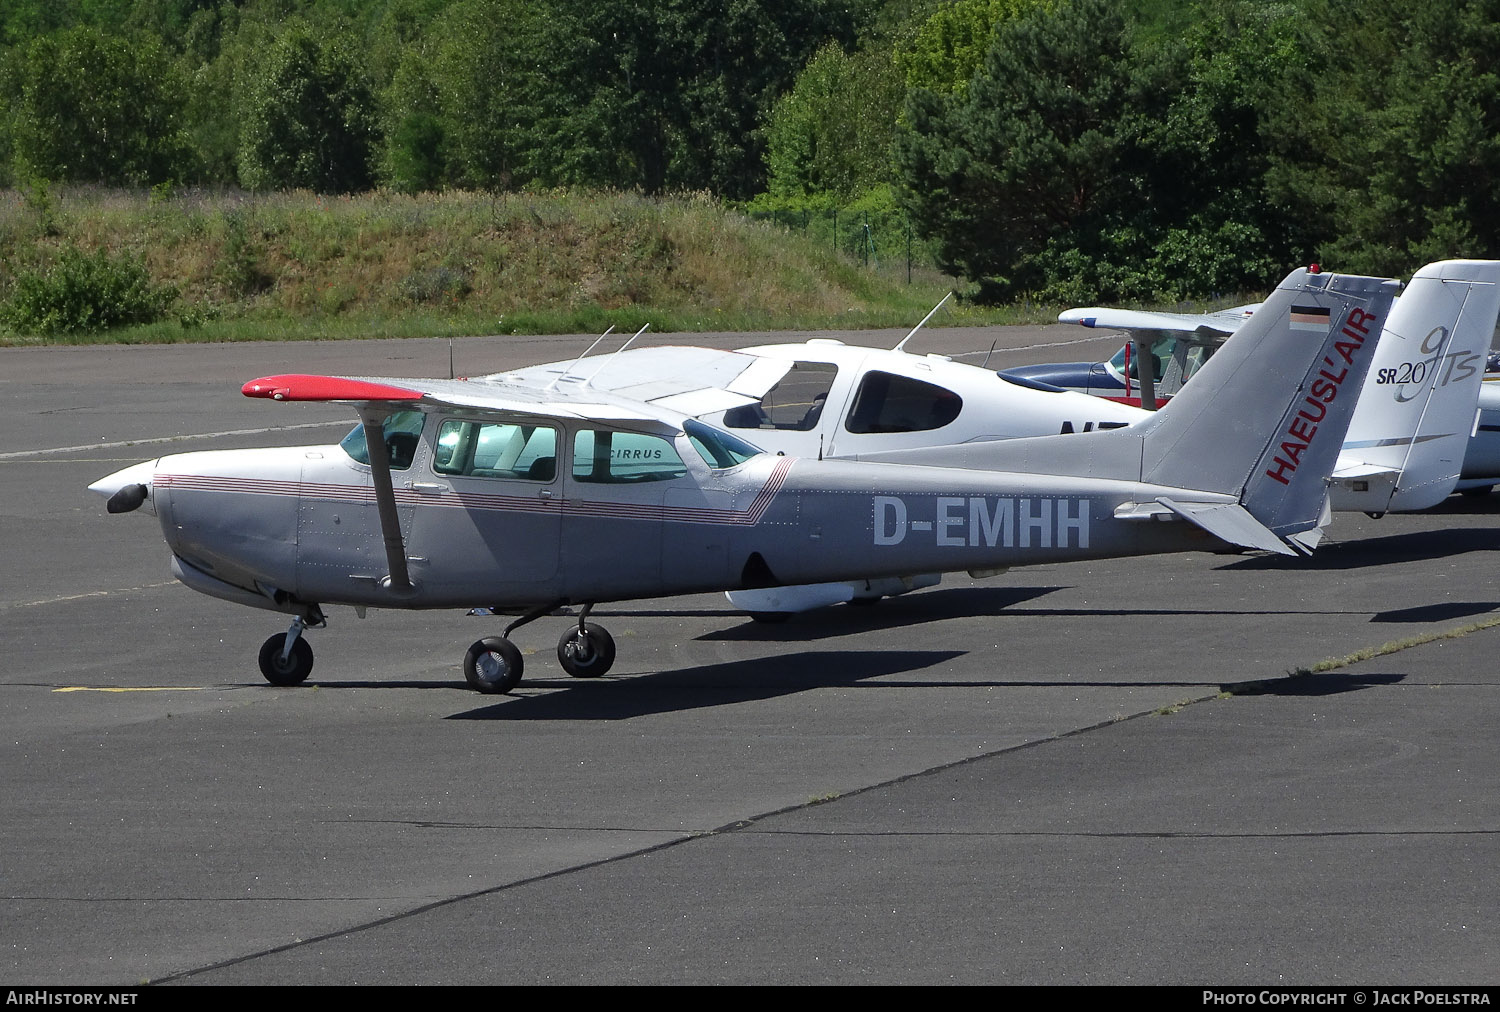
(1326, 683)
(1445, 612)
(1415, 546)
(620, 698)
(937, 605)
(915, 609)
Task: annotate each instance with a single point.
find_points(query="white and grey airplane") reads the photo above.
(506, 492)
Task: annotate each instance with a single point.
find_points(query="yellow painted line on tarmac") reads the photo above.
(143, 688)
(92, 593)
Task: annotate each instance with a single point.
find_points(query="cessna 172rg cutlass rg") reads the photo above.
(502, 494)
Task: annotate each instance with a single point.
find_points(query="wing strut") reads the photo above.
(373, 421)
(1145, 368)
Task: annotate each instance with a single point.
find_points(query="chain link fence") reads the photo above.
(874, 238)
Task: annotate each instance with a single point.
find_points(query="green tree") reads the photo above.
(949, 46)
(500, 97)
(412, 154)
(307, 117)
(1046, 168)
(832, 133)
(88, 106)
(1396, 159)
(677, 90)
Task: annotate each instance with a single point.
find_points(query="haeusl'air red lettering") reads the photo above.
(1303, 427)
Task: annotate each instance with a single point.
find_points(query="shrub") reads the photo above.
(83, 292)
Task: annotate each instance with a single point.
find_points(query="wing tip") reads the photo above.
(305, 387)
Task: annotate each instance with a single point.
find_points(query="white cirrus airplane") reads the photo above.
(828, 399)
(509, 492)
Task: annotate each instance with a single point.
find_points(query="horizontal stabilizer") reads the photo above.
(1229, 522)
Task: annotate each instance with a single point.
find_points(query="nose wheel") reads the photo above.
(286, 659)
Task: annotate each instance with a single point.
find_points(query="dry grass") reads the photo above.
(302, 265)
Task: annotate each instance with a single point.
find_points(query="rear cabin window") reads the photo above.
(795, 403)
(496, 450)
(603, 455)
(886, 402)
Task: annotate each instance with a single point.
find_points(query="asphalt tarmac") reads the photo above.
(1086, 773)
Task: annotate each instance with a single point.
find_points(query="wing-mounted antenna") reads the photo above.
(627, 344)
(919, 326)
(580, 358)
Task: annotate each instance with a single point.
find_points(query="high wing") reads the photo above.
(1149, 332)
(1206, 328)
(500, 394)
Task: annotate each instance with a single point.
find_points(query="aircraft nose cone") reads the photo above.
(128, 489)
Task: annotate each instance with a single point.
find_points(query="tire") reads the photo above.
(1477, 493)
(493, 666)
(294, 670)
(587, 652)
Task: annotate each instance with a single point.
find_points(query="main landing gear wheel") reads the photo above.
(1477, 493)
(586, 651)
(290, 670)
(493, 665)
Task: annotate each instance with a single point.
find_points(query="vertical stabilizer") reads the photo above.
(1265, 418)
(1406, 443)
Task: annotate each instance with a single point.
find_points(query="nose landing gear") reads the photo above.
(286, 658)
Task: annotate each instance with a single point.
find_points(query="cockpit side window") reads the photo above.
(795, 403)
(886, 402)
(472, 449)
(403, 433)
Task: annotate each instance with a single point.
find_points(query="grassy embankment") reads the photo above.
(290, 266)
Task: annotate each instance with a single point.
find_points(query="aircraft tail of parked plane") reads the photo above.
(1262, 422)
(1415, 423)
(1406, 444)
